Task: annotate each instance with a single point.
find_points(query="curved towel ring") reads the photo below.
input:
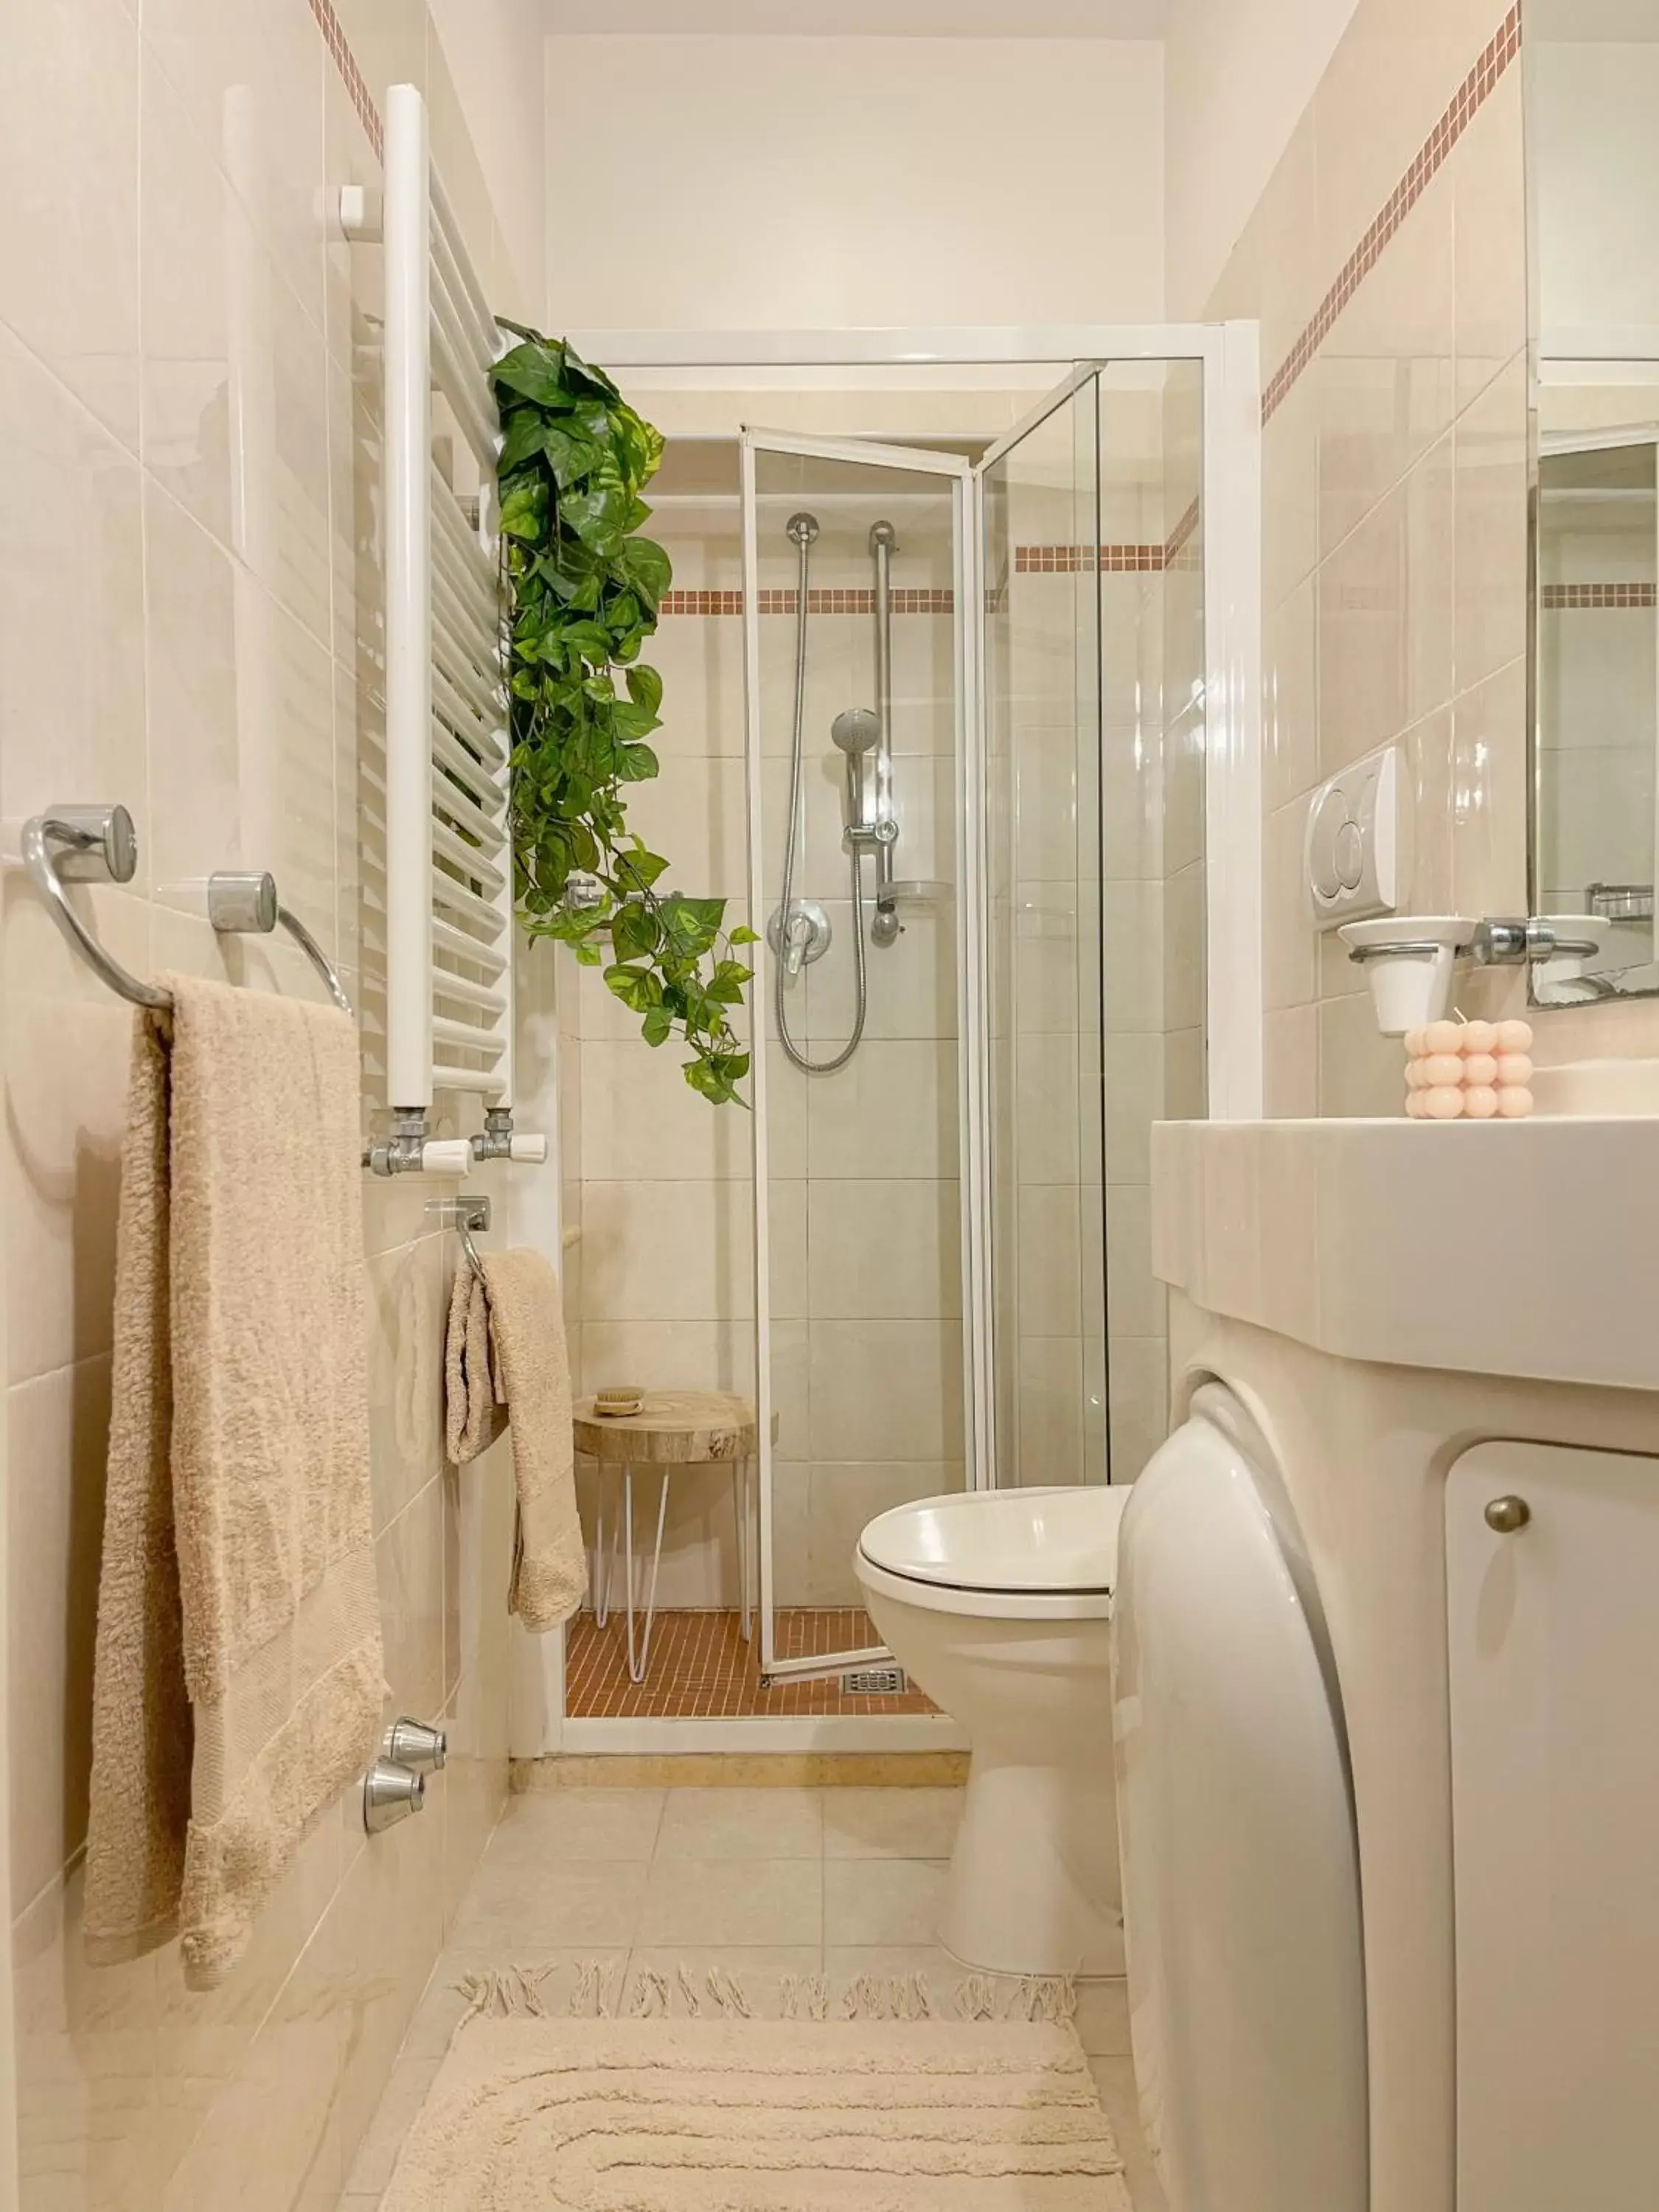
(99, 844)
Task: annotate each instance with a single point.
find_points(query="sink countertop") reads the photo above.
(1502, 1248)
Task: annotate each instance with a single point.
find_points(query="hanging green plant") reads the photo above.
(583, 590)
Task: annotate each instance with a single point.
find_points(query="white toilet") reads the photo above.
(999, 1604)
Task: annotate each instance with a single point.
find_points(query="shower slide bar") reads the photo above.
(449, 904)
(98, 844)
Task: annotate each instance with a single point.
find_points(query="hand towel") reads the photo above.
(507, 1348)
(239, 1684)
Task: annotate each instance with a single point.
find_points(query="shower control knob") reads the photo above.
(1506, 1515)
(414, 1745)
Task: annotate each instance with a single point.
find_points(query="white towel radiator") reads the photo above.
(449, 921)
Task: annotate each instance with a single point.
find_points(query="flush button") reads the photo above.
(1325, 834)
(1349, 854)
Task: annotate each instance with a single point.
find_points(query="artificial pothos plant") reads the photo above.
(583, 590)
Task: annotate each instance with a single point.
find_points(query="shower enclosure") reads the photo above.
(961, 685)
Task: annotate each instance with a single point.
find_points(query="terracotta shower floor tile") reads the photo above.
(702, 1669)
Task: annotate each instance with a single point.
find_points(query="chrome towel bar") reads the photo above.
(98, 844)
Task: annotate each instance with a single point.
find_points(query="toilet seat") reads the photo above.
(1038, 1555)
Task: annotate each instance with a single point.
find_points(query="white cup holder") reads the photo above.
(1409, 961)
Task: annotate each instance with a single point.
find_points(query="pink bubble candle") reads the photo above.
(1470, 1071)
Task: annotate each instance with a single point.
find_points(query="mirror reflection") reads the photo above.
(1593, 90)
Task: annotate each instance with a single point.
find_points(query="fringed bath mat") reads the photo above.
(724, 2114)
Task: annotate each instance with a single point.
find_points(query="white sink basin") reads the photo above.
(1597, 1087)
(1495, 1247)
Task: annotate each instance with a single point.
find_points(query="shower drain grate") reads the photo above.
(875, 1682)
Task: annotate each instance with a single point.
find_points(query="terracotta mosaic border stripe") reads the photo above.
(1466, 103)
(905, 602)
(345, 61)
(1556, 596)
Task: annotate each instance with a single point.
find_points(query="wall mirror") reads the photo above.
(1592, 87)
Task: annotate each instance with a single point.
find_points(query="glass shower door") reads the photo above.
(1093, 525)
(855, 600)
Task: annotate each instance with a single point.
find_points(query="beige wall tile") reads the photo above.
(1384, 372)
(1489, 181)
(1362, 654)
(667, 1251)
(1291, 1063)
(1492, 528)
(72, 713)
(68, 180)
(1488, 795)
(906, 1398)
(1289, 964)
(883, 1250)
(1290, 736)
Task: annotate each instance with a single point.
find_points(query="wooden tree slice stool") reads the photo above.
(672, 1429)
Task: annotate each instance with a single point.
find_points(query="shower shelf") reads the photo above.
(915, 892)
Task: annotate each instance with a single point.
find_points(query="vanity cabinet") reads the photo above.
(1553, 1598)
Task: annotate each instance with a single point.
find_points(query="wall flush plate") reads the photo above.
(1352, 850)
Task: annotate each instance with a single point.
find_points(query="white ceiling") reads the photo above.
(909, 18)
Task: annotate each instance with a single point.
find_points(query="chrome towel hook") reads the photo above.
(464, 1215)
(98, 844)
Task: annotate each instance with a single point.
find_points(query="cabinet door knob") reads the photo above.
(1506, 1515)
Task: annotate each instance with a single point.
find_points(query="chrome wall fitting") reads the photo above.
(1501, 942)
(413, 1744)
(498, 1142)
(390, 1794)
(409, 1151)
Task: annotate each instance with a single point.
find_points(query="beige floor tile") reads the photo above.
(715, 1902)
(891, 1824)
(742, 1824)
(867, 1901)
(572, 1903)
(1115, 2078)
(400, 2101)
(760, 1969)
(552, 1826)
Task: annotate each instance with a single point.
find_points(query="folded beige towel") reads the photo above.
(506, 1348)
(239, 1682)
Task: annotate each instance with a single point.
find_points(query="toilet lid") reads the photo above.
(1054, 1540)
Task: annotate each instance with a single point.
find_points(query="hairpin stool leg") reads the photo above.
(636, 1665)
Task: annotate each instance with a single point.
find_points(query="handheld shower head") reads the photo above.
(855, 730)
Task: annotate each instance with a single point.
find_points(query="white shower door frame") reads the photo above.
(1229, 354)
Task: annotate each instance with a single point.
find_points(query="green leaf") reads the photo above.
(658, 1026)
(538, 371)
(524, 511)
(636, 932)
(641, 563)
(644, 687)
(743, 935)
(570, 455)
(637, 763)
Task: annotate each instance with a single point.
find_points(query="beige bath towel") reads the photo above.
(239, 1681)
(505, 1349)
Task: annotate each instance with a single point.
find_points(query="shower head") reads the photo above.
(883, 536)
(803, 528)
(855, 730)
